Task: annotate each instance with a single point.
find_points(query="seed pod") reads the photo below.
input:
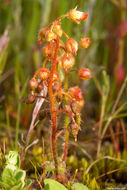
(29, 99)
(49, 50)
(84, 73)
(77, 16)
(75, 129)
(68, 61)
(71, 46)
(84, 42)
(33, 84)
(44, 73)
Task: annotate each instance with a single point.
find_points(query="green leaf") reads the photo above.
(51, 184)
(79, 186)
(13, 159)
(20, 175)
(8, 177)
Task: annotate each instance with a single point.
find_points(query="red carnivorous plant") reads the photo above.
(46, 83)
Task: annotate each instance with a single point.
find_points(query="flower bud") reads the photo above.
(33, 84)
(84, 42)
(49, 50)
(84, 73)
(68, 62)
(30, 99)
(44, 73)
(71, 46)
(58, 30)
(77, 16)
(50, 35)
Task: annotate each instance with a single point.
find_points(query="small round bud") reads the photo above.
(58, 30)
(33, 84)
(84, 73)
(49, 50)
(71, 46)
(44, 73)
(68, 62)
(84, 42)
(77, 16)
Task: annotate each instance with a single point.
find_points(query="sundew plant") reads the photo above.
(47, 86)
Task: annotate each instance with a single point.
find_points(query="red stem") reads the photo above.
(52, 106)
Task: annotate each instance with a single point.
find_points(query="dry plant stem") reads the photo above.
(34, 116)
(66, 122)
(110, 172)
(53, 111)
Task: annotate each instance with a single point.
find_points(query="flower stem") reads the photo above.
(53, 111)
(67, 119)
